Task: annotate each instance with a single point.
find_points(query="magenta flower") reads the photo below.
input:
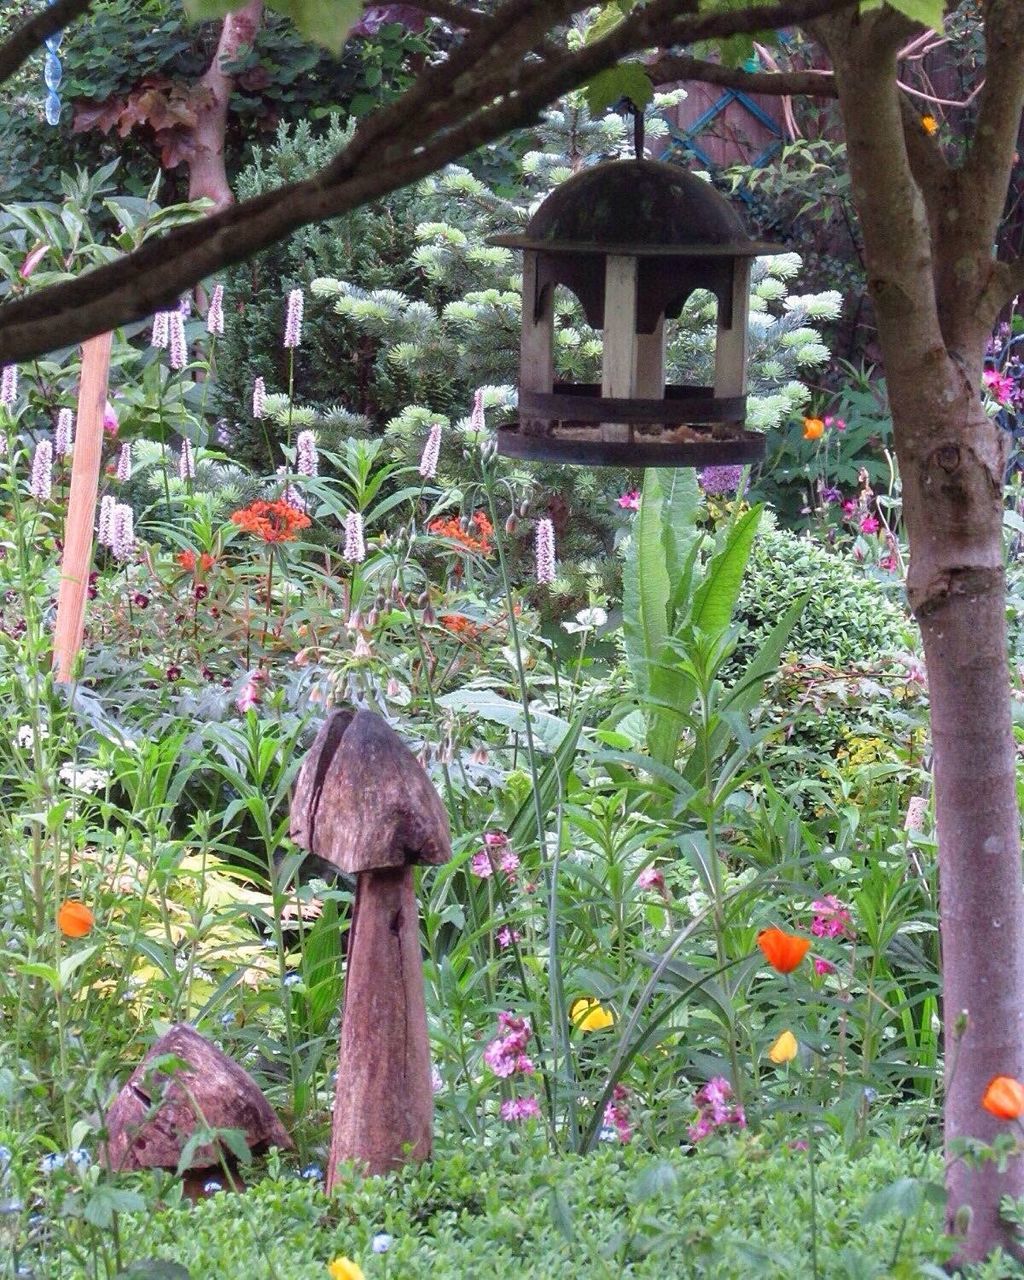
(716, 1109)
(249, 696)
(481, 865)
(850, 508)
(110, 423)
(64, 433)
(869, 524)
(823, 967)
(124, 463)
(507, 937)
(630, 501)
(215, 314)
(1000, 386)
(509, 862)
(506, 1054)
(293, 320)
(495, 839)
(41, 483)
(545, 550)
(831, 918)
(651, 878)
(355, 546)
(515, 1109)
(836, 424)
(259, 398)
(431, 453)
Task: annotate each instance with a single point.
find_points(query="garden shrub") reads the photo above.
(487, 1213)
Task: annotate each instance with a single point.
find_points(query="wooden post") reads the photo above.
(731, 342)
(85, 480)
(537, 345)
(618, 376)
(364, 803)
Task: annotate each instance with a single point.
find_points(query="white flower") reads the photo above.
(82, 779)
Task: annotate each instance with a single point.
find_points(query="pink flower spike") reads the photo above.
(477, 421)
(293, 320)
(124, 463)
(161, 334)
(215, 314)
(545, 550)
(259, 398)
(64, 433)
(431, 453)
(177, 347)
(41, 484)
(355, 545)
(9, 385)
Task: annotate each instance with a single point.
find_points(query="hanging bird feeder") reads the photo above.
(633, 239)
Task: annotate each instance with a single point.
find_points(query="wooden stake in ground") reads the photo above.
(365, 804)
(85, 480)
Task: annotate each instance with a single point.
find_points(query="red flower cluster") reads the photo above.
(188, 560)
(451, 527)
(272, 521)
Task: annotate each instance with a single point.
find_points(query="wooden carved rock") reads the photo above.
(154, 1115)
(364, 803)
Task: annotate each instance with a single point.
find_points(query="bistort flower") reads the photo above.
(293, 320)
(545, 550)
(41, 484)
(64, 433)
(355, 544)
(431, 453)
(215, 314)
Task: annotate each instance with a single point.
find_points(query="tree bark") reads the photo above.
(207, 172)
(928, 284)
(384, 1106)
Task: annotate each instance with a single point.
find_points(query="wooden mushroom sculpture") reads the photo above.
(152, 1119)
(364, 803)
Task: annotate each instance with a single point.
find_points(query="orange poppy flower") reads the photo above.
(74, 919)
(814, 428)
(1004, 1098)
(782, 950)
(451, 527)
(272, 521)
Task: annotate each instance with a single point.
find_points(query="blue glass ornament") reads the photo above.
(52, 75)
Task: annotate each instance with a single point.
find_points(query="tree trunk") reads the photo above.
(953, 508)
(207, 173)
(384, 1106)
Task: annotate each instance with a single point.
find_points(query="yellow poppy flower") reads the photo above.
(345, 1269)
(814, 428)
(930, 125)
(784, 1049)
(590, 1015)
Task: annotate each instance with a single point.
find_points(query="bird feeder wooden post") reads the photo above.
(633, 239)
(76, 560)
(364, 803)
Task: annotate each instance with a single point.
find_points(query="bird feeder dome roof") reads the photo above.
(640, 207)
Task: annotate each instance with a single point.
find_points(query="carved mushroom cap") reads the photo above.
(227, 1097)
(364, 802)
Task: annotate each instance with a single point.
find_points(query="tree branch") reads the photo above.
(454, 14)
(396, 147)
(31, 34)
(669, 68)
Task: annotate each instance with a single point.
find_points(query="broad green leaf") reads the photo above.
(627, 80)
(929, 13)
(325, 22)
(715, 598)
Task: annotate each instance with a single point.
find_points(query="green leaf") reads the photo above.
(154, 1269)
(325, 22)
(627, 80)
(716, 597)
(928, 12)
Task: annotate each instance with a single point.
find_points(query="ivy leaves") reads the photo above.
(326, 22)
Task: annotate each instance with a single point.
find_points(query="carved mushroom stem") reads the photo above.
(384, 1106)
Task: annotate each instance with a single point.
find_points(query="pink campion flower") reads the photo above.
(160, 336)
(1000, 386)
(306, 461)
(124, 463)
(431, 453)
(823, 967)
(545, 550)
(259, 398)
(836, 424)
(9, 385)
(355, 546)
(110, 423)
(177, 347)
(249, 696)
(64, 433)
(869, 524)
(480, 864)
(506, 1055)
(507, 937)
(186, 461)
(509, 862)
(849, 508)
(616, 1114)
(41, 483)
(293, 320)
(831, 918)
(215, 312)
(495, 839)
(105, 531)
(32, 260)
(516, 1109)
(651, 878)
(477, 421)
(630, 501)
